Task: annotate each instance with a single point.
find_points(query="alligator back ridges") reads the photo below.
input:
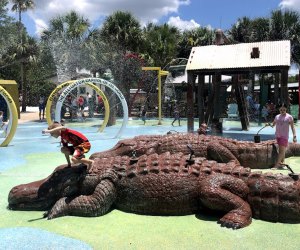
(167, 163)
(249, 154)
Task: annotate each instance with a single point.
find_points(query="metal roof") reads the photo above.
(271, 53)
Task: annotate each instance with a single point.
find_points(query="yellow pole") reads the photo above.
(160, 73)
(159, 97)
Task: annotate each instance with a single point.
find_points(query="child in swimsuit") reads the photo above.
(74, 143)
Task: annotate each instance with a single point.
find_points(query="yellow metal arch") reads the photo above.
(13, 116)
(65, 84)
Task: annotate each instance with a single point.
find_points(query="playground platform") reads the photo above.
(32, 156)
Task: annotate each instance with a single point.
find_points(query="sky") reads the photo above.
(184, 14)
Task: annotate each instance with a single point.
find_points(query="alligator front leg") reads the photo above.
(216, 151)
(95, 204)
(225, 193)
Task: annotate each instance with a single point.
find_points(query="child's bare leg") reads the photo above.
(85, 161)
(66, 152)
(68, 159)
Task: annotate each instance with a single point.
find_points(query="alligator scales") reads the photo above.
(163, 184)
(248, 154)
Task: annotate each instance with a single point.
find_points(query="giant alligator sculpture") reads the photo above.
(248, 154)
(166, 184)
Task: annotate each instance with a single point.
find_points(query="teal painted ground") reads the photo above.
(32, 156)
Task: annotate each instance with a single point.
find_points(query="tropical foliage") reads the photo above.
(66, 37)
(120, 45)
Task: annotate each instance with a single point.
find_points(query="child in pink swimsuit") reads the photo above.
(282, 122)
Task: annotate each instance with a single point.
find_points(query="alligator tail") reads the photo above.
(274, 197)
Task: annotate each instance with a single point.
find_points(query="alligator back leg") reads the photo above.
(96, 204)
(219, 153)
(225, 193)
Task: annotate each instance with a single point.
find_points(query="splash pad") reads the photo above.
(66, 88)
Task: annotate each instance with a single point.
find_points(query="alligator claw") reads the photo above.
(228, 224)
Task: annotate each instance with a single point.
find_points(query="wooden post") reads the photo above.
(217, 124)
(263, 96)
(201, 98)
(190, 103)
(241, 102)
(209, 109)
(276, 89)
(284, 87)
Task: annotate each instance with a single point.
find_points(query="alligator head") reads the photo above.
(42, 194)
(129, 147)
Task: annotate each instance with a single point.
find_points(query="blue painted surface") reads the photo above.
(33, 239)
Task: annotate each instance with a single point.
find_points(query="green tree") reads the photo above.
(285, 25)
(9, 35)
(24, 53)
(241, 31)
(121, 35)
(201, 36)
(161, 42)
(39, 74)
(123, 30)
(66, 38)
(260, 29)
(21, 6)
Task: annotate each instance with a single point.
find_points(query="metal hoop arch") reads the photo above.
(13, 123)
(65, 84)
(98, 81)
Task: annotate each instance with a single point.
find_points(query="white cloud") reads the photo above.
(182, 24)
(290, 4)
(145, 11)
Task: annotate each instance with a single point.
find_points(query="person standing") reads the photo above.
(3, 125)
(143, 114)
(80, 106)
(282, 122)
(176, 116)
(41, 107)
(99, 104)
(90, 103)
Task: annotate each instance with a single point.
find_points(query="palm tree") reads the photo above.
(196, 37)
(161, 43)
(8, 29)
(123, 29)
(285, 25)
(260, 29)
(66, 37)
(24, 53)
(121, 34)
(241, 30)
(21, 6)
